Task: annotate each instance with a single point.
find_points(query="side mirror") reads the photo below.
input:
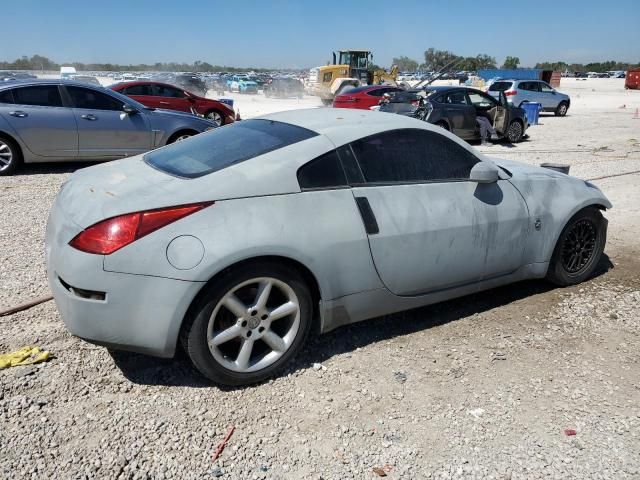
(129, 110)
(484, 172)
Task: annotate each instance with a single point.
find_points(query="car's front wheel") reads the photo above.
(248, 323)
(579, 248)
(515, 131)
(561, 109)
(215, 116)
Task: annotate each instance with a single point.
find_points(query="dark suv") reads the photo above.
(284, 87)
(456, 108)
(191, 83)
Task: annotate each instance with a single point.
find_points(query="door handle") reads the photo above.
(19, 114)
(89, 116)
(369, 219)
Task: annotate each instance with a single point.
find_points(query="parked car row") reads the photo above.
(456, 108)
(61, 120)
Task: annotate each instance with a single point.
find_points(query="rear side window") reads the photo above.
(500, 86)
(6, 96)
(410, 156)
(323, 172)
(41, 95)
(137, 90)
(225, 146)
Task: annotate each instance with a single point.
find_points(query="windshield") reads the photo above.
(225, 146)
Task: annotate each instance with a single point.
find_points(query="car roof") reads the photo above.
(346, 125)
(44, 81)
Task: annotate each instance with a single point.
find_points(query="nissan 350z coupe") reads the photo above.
(240, 242)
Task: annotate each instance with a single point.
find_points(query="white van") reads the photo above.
(67, 72)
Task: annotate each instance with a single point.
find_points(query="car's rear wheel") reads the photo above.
(215, 116)
(327, 101)
(442, 124)
(248, 323)
(579, 248)
(515, 132)
(561, 109)
(10, 156)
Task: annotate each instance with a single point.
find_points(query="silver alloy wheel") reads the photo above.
(515, 132)
(562, 109)
(183, 137)
(253, 324)
(215, 117)
(6, 155)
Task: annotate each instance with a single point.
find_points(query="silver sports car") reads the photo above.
(240, 242)
(59, 120)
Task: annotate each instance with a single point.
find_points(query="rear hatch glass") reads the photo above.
(225, 146)
(500, 86)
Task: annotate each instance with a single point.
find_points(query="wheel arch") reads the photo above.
(16, 140)
(308, 276)
(179, 132)
(600, 204)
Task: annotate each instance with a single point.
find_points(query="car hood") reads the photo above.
(520, 169)
(176, 114)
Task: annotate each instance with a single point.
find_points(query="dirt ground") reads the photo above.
(523, 382)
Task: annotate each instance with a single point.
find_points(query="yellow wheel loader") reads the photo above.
(350, 68)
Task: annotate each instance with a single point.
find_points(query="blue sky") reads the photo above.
(303, 33)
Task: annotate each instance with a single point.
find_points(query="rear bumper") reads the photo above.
(139, 313)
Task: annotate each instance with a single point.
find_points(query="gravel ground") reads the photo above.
(487, 386)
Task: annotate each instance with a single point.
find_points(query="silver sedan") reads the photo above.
(240, 242)
(54, 120)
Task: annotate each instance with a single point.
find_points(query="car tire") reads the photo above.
(443, 125)
(515, 132)
(209, 317)
(561, 109)
(585, 233)
(327, 101)
(10, 156)
(182, 135)
(215, 116)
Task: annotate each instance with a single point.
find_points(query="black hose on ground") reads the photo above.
(25, 306)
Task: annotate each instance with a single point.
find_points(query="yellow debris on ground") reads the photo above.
(24, 356)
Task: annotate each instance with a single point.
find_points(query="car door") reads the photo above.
(548, 96)
(429, 227)
(171, 98)
(526, 93)
(461, 114)
(45, 126)
(495, 110)
(104, 129)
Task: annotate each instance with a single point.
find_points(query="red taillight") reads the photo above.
(109, 235)
(510, 93)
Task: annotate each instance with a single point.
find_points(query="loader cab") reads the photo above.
(358, 62)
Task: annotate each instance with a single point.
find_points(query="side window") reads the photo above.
(6, 96)
(137, 90)
(544, 87)
(378, 92)
(322, 172)
(406, 156)
(162, 91)
(92, 99)
(457, 98)
(481, 100)
(41, 95)
(327, 77)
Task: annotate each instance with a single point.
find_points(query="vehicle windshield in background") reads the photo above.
(500, 86)
(222, 147)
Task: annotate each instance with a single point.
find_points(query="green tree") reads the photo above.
(405, 64)
(511, 62)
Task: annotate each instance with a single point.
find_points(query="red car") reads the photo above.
(163, 95)
(363, 97)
